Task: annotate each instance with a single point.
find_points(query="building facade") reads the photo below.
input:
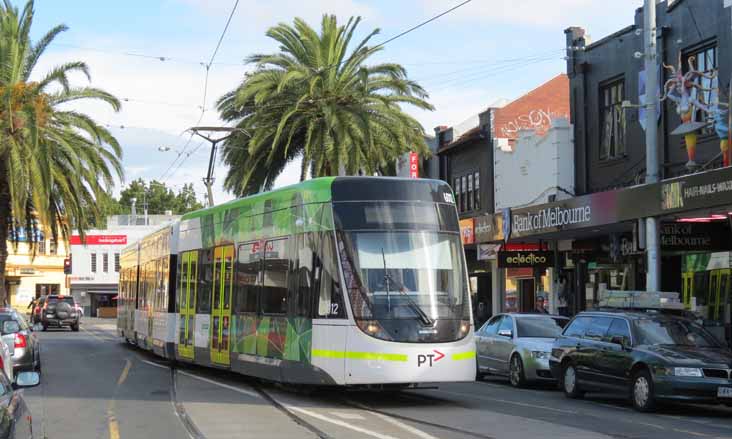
(30, 274)
(95, 261)
(467, 157)
(595, 240)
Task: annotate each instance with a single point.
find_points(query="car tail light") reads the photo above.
(20, 341)
(2, 363)
(37, 310)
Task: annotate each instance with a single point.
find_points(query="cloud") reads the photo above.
(548, 13)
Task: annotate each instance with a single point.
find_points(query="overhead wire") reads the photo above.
(165, 175)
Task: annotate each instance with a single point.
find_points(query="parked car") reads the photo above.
(649, 356)
(60, 311)
(24, 345)
(518, 346)
(17, 419)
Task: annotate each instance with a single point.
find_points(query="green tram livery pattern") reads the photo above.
(264, 267)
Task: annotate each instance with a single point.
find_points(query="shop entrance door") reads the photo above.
(221, 312)
(526, 290)
(187, 303)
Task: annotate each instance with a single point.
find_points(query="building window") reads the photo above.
(41, 247)
(476, 191)
(105, 262)
(470, 192)
(93, 262)
(116, 262)
(463, 193)
(53, 247)
(612, 120)
(704, 60)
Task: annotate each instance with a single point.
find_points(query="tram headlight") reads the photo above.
(373, 328)
(464, 328)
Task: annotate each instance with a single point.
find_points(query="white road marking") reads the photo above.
(348, 416)
(505, 401)
(394, 421)
(407, 427)
(225, 386)
(336, 422)
(151, 363)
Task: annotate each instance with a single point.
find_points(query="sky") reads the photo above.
(150, 54)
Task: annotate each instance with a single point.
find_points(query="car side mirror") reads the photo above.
(27, 379)
(10, 327)
(505, 333)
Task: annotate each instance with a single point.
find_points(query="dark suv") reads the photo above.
(60, 311)
(649, 356)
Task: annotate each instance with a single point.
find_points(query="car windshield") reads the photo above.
(540, 327)
(67, 299)
(674, 332)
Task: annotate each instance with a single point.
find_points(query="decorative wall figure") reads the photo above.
(678, 89)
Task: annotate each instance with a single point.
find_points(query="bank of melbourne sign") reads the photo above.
(550, 218)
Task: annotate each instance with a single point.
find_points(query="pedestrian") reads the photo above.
(481, 314)
(539, 308)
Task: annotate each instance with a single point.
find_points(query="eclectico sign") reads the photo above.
(413, 165)
(525, 259)
(99, 240)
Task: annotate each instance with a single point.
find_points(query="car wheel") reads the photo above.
(45, 327)
(641, 392)
(75, 327)
(478, 374)
(569, 382)
(516, 372)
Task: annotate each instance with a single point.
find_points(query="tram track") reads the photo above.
(291, 414)
(417, 421)
(180, 409)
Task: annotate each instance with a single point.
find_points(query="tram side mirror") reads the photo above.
(10, 327)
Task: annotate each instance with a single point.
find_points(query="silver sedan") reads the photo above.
(518, 346)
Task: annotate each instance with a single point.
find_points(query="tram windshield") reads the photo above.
(407, 286)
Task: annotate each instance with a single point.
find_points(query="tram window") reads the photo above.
(274, 289)
(205, 283)
(247, 272)
(181, 290)
(330, 296)
(301, 277)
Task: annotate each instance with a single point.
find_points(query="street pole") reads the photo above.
(651, 66)
(208, 181)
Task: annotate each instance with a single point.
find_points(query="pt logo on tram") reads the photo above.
(429, 358)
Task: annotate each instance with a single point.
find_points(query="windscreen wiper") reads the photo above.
(423, 317)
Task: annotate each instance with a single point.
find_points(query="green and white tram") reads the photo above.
(333, 281)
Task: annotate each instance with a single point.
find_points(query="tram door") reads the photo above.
(187, 300)
(718, 290)
(687, 282)
(221, 312)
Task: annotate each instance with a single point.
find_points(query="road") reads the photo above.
(94, 386)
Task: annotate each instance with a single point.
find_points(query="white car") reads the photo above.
(6, 353)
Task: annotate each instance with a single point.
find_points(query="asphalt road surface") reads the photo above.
(94, 386)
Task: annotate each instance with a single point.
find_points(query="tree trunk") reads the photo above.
(303, 169)
(4, 216)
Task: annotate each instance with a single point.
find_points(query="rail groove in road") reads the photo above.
(295, 418)
(180, 409)
(416, 421)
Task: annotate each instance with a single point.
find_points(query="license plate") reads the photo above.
(49, 316)
(724, 392)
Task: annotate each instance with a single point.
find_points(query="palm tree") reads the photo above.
(55, 163)
(318, 99)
